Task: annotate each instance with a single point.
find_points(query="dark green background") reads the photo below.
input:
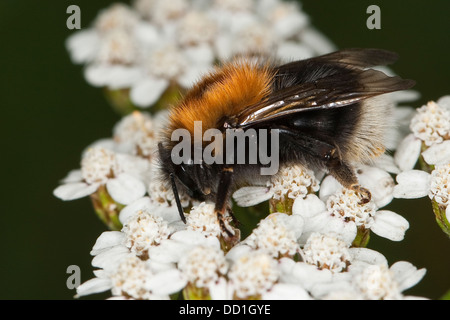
(49, 114)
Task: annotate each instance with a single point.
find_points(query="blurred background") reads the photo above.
(49, 114)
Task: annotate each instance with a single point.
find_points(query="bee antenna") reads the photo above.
(177, 197)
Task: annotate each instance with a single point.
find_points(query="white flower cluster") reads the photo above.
(125, 166)
(313, 245)
(308, 253)
(430, 143)
(155, 43)
(285, 257)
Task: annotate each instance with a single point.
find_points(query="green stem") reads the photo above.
(106, 208)
(120, 100)
(191, 292)
(441, 218)
(362, 237)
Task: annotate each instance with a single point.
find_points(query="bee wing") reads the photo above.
(355, 57)
(329, 81)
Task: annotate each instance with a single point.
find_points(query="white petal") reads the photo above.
(192, 74)
(387, 163)
(105, 143)
(390, 225)
(134, 207)
(166, 282)
(115, 77)
(92, 286)
(75, 190)
(290, 25)
(328, 187)
(309, 206)
(379, 182)
(408, 152)
(123, 77)
(96, 75)
(317, 41)
(83, 45)
(289, 51)
(238, 251)
(195, 238)
(125, 188)
(444, 102)
(285, 291)
(368, 256)
(325, 223)
(220, 290)
(107, 240)
(438, 153)
(406, 274)
(250, 196)
(72, 176)
(346, 230)
(157, 266)
(309, 276)
(412, 184)
(147, 92)
(447, 213)
(109, 259)
(168, 251)
(132, 165)
(223, 46)
(200, 55)
(293, 223)
(146, 34)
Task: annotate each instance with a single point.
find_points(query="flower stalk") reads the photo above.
(106, 208)
(441, 217)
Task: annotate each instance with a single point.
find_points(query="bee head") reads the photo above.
(181, 175)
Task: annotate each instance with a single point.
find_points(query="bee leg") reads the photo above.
(346, 176)
(223, 194)
(233, 217)
(177, 197)
(330, 155)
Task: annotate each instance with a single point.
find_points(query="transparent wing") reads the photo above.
(330, 81)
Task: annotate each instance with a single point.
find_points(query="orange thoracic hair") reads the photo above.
(222, 94)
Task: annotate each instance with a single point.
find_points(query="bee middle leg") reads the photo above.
(330, 156)
(222, 198)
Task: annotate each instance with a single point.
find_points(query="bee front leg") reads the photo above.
(222, 198)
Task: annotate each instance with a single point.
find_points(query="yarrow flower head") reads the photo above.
(293, 182)
(252, 275)
(131, 280)
(377, 282)
(203, 266)
(277, 234)
(347, 205)
(327, 252)
(431, 124)
(137, 134)
(203, 218)
(154, 48)
(440, 185)
(282, 189)
(98, 165)
(144, 230)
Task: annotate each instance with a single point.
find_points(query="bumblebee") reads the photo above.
(328, 112)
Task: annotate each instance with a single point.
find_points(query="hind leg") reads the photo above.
(345, 174)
